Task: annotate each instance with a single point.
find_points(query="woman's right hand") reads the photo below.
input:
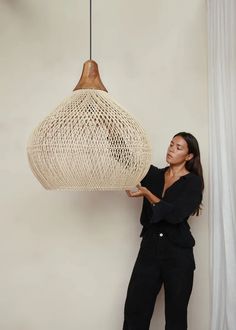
(141, 192)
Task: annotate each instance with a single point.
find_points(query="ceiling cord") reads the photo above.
(90, 29)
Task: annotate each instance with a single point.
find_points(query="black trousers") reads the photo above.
(159, 262)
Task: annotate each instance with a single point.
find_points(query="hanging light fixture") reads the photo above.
(89, 142)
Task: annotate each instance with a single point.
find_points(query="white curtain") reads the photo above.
(222, 124)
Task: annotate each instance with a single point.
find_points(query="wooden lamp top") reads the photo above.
(90, 78)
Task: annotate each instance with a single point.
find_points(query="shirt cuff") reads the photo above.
(160, 210)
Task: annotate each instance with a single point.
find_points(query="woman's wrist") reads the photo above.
(151, 197)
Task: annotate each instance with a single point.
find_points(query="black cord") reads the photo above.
(90, 30)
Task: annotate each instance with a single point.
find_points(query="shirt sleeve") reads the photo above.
(180, 209)
(146, 179)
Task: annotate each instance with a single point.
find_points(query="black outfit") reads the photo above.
(166, 252)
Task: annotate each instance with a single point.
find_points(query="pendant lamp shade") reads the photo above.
(89, 142)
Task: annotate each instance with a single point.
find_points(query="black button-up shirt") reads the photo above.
(170, 215)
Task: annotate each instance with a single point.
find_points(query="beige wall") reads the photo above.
(66, 257)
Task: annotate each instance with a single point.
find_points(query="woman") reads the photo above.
(166, 257)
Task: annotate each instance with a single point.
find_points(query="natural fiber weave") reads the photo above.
(89, 143)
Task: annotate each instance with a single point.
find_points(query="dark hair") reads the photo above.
(193, 165)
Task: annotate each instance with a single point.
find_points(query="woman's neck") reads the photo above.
(177, 170)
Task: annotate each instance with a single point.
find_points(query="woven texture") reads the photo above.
(89, 143)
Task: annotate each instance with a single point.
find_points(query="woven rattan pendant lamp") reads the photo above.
(89, 142)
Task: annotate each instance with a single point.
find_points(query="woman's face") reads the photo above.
(177, 152)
